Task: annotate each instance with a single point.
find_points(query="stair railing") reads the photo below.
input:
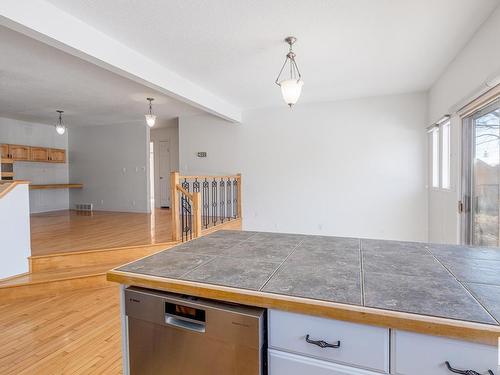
(202, 202)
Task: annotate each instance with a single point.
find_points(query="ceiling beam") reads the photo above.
(45, 22)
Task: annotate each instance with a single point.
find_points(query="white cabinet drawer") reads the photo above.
(416, 354)
(281, 363)
(360, 345)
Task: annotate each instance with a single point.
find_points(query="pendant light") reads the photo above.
(60, 127)
(290, 87)
(150, 118)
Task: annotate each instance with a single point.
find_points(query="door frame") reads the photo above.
(159, 173)
(467, 168)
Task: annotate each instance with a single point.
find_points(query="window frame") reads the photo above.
(434, 157)
(444, 157)
(439, 133)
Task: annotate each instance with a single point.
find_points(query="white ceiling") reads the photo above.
(346, 48)
(36, 79)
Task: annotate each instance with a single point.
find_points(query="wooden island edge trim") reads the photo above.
(11, 184)
(436, 326)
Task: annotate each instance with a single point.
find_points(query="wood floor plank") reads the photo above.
(53, 275)
(73, 231)
(74, 333)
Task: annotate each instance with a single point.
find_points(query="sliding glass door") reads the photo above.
(481, 177)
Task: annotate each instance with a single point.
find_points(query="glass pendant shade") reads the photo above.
(292, 86)
(290, 90)
(60, 129)
(150, 120)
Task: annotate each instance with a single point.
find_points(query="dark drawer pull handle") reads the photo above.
(464, 372)
(322, 344)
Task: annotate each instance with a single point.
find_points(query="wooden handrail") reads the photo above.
(184, 191)
(196, 214)
(174, 206)
(199, 177)
(240, 214)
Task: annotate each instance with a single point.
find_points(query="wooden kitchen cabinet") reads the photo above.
(5, 151)
(33, 153)
(19, 152)
(57, 155)
(39, 154)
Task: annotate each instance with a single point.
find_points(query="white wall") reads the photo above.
(112, 163)
(478, 61)
(32, 134)
(462, 80)
(170, 134)
(350, 168)
(15, 232)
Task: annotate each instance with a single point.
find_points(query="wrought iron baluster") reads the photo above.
(235, 198)
(205, 204)
(185, 184)
(229, 199)
(222, 202)
(214, 202)
(196, 186)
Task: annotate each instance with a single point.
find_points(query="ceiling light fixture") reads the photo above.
(60, 127)
(291, 87)
(150, 118)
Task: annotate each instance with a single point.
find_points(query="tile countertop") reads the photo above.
(443, 281)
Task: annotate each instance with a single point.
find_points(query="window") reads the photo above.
(435, 156)
(445, 155)
(440, 140)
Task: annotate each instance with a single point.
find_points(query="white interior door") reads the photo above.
(164, 173)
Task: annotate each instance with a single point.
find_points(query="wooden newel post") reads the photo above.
(174, 206)
(239, 195)
(196, 214)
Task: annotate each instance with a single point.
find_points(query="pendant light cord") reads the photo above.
(150, 106)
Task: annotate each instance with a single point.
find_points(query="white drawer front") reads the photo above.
(416, 354)
(360, 345)
(281, 363)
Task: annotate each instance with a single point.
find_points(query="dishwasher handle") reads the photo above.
(188, 324)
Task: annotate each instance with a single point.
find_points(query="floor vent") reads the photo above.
(84, 207)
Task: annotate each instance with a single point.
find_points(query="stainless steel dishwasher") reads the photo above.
(169, 334)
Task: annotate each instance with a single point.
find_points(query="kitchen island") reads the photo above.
(396, 307)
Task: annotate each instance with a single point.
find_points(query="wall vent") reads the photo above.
(84, 207)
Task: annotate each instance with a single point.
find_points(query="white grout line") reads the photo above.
(463, 286)
(362, 274)
(280, 266)
(195, 268)
(215, 256)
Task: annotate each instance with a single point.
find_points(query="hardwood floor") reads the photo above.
(70, 231)
(74, 333)
(57, 274)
